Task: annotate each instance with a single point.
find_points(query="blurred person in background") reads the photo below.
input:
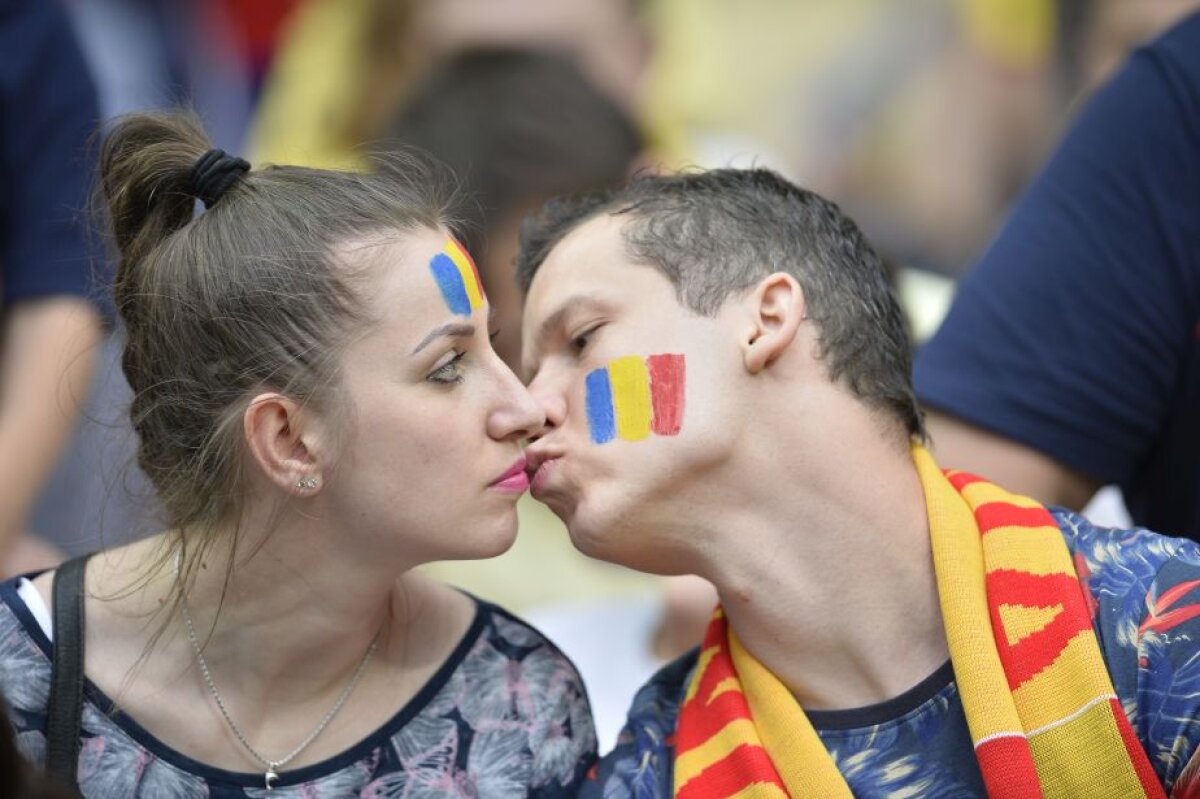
(146, 54)
(1096, 36)
(346, 66)
(1071, 356)
(49, 324)
(920, 116)
(320, 409)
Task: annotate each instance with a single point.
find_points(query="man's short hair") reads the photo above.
(715, 234)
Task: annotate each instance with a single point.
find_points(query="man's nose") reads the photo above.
(551, 398)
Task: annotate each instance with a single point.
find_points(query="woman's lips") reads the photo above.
(514, 478)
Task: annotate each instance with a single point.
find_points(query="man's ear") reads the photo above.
(284, 443)
(776, 309)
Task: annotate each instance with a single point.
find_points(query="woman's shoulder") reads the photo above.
(17, 615)
(514, 701)
(486, 626)
(24, 661)
(525, 653)
(494, 653)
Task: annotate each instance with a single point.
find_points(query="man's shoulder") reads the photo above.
(1143, 590)
(1121, 560)
(1130, 578)
(641, 765)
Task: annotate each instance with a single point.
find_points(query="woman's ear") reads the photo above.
(776, 309)
(284, 443)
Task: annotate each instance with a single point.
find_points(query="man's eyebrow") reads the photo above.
(572, 304)
(450, 329)
(576, 303)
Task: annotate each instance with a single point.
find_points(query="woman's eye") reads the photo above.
(449, 372)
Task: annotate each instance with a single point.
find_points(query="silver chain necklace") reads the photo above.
(271, 776)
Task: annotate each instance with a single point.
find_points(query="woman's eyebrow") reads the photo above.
(450, 329)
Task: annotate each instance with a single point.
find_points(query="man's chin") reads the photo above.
(590, 535)
(560, 505)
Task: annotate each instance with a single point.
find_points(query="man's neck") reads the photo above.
(829, 580)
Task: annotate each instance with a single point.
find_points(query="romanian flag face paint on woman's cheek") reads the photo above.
(633, 397)
(458, 279)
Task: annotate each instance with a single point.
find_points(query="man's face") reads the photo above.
(639, 392)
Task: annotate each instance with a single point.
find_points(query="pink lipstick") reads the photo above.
(514, 478)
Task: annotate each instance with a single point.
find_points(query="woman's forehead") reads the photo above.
(414, 278)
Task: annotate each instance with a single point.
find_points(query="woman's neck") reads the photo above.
(286, 641)
(264, 605)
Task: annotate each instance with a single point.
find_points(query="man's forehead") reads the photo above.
(599, 235)
(579, 264)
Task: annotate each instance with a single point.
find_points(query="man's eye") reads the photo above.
(449, 372)
(580, 341)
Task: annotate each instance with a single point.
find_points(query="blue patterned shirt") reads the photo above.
(1144, 593)
(506, 716)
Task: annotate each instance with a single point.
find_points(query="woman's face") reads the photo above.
(431, 446)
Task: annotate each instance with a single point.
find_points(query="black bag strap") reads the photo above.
(64, 712)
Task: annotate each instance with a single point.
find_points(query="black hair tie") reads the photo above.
(213, 174)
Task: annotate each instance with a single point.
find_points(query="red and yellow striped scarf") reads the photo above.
(1040, 706)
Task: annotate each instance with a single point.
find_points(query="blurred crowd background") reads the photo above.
(922, 118)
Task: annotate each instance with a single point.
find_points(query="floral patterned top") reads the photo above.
(1144, 593)
(505, 716)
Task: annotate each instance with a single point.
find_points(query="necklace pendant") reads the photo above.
(271, 777)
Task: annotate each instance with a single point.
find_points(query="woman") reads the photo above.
(319, 407)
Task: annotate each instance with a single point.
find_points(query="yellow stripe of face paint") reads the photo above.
(631, 397)
(463, 262)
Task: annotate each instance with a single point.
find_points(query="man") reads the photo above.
(1071, 356)
(726, 380)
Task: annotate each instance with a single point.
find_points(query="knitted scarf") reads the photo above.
(1040, 706)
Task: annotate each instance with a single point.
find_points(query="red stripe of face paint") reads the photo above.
(666, 393)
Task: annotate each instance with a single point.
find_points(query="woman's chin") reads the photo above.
(490, 541)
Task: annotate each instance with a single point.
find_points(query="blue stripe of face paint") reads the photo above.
(450, 281)
(600, 406)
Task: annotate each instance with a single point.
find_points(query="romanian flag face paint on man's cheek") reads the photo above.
(633, 397)
(458, 279)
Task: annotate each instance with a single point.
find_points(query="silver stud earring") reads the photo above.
(307, 482)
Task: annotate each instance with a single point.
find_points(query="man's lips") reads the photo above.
(514, 478)
(539, 474)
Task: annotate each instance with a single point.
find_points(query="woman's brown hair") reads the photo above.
(245, 296)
